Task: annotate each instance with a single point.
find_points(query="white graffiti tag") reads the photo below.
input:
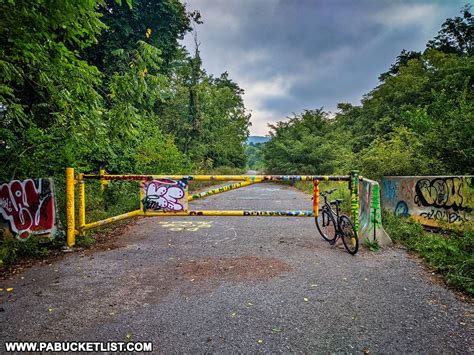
(163, 195)
(28, 207)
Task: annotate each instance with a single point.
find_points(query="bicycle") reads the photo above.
(332, 225)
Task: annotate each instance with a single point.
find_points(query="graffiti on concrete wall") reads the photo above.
(165, 195)
(27, 208)
(430, 199)
(370, 214)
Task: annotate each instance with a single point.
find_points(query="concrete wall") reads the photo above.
(370, 213)
(27, 207)
(431, 200)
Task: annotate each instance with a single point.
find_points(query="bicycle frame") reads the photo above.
(335, 214)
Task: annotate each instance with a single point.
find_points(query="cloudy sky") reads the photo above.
(302, 54)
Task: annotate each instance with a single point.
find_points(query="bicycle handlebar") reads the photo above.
(328, 192)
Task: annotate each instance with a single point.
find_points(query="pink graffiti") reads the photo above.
(29, 208)
(163, 195)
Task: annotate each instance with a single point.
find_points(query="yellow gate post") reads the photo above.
(141, 195)
(82, 203)
(103, 182)
(70, 213)
(354, 187)
(316, 198)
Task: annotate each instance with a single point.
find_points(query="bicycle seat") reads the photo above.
(336, 201)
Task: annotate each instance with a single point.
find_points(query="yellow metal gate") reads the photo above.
(167, 195)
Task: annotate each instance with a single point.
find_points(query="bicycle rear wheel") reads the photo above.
(349, 235)
(326, 225)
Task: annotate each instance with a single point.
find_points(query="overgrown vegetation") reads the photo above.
(418, 121)
(254, 156)
(450, 253)
(106, 84)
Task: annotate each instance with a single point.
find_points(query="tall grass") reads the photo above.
(450, 253)
(342, 191)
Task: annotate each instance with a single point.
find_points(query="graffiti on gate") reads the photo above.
(165, 195)
(430, 199)
(278, 213)
(27, 207)
(370, 220)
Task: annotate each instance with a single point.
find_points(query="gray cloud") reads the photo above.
(295, 55)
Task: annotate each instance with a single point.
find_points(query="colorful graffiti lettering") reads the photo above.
(218, 190)
(442, 193)
(278, 213)
(28, 207)
(354, 187)
(196, 213)
(443, 215)
(430, 199)
(165, 195)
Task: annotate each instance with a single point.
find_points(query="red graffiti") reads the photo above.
(28, 206)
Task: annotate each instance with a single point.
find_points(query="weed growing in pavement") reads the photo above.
(372, 245)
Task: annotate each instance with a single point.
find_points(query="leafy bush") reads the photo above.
(12, 249)
(400, 153)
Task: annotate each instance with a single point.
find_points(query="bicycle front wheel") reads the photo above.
(326, 225)
(349, 235)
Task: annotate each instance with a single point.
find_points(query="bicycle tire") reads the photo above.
(349, 235)
(326, 225)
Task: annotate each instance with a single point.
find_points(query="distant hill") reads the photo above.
(257, 139)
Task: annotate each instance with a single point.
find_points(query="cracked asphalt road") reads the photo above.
(238, 284)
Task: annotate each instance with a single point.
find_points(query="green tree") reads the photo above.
(419, 120)
(49, 105)
(137, 143)
(306, 144)
(159, 23)
(402, 60)
(456, 34)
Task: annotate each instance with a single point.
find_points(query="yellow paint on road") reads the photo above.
(190, 226)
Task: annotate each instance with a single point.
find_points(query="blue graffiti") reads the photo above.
(183, 183)
(389, 189)
(402, 209)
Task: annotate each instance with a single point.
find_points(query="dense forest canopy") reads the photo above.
(419, 120)
(106, 84)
